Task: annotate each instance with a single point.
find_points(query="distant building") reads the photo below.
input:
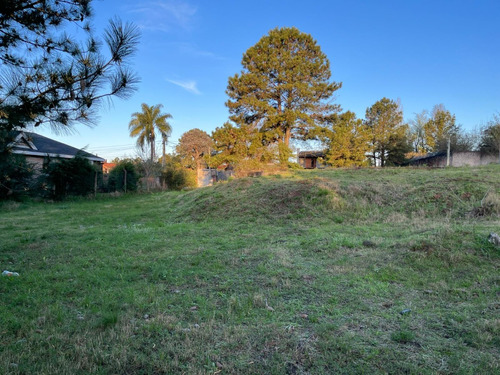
(457, 159)
(309, 159)
(107, 167)
(37, 148)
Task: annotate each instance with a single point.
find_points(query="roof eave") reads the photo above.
(63, 156)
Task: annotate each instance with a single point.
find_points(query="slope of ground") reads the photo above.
(353, 271)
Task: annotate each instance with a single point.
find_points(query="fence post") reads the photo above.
(95, 184)
(125, 179)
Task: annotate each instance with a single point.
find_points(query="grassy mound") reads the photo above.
(370, 195)
(341, 271)
(261, 198)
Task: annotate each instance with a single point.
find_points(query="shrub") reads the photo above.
(16, 176)
(116, 180)
(178, 178)
(65, 177)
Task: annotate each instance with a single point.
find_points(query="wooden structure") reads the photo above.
(309, 159)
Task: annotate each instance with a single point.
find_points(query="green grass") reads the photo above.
(307, 273)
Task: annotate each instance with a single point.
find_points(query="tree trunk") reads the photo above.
(152, 143)
(198, 170)
(163, 158)
(288, 134)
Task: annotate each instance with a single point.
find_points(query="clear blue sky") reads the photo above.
(420, 52)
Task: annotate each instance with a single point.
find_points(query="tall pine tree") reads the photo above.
(284, 89)
(388, 132)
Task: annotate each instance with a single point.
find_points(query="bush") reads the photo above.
(178, 178)
(65, 177)
(16, 176)
(116, 180)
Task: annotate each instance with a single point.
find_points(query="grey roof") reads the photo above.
(311, 154)
(33, 144)
(428, 156)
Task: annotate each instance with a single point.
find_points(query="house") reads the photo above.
(309, 159)
(37, 148)
(107, 167)
(457, 159)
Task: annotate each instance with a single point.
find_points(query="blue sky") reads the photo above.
(420, 52)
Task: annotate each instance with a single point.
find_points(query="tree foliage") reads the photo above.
(417, 132)
(193, 146)
(124, 176)
(347, 140)
(387, 131)
(145, 124)
(284, 89)
(16, 176)
(490, 136)
(174, 176)
(235, 145)
(74, 176)
(440, 126)
(51, 77)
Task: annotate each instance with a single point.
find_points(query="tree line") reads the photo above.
(284, 92)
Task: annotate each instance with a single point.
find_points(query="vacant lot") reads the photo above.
(354, 271)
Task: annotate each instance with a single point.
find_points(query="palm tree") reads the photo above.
(143, 125)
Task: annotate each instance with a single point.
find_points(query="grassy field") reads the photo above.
(341, 271)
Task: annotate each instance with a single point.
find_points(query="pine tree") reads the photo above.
(284, 88)
(48, 76)
(385, 121)
(348, 141)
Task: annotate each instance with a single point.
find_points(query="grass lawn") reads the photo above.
(335, 271)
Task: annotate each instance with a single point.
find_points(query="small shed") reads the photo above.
(309, 159)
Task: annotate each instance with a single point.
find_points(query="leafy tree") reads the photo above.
(50, 77)
(347, 140)
(144, 124)
(385, 121)
(193, 146)
(439, 128)
(463, 141)
(417, 132)
(490, 136)
(400, 149)
(284, 88)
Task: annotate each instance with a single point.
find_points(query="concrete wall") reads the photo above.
(208, 177)
(459, 159)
